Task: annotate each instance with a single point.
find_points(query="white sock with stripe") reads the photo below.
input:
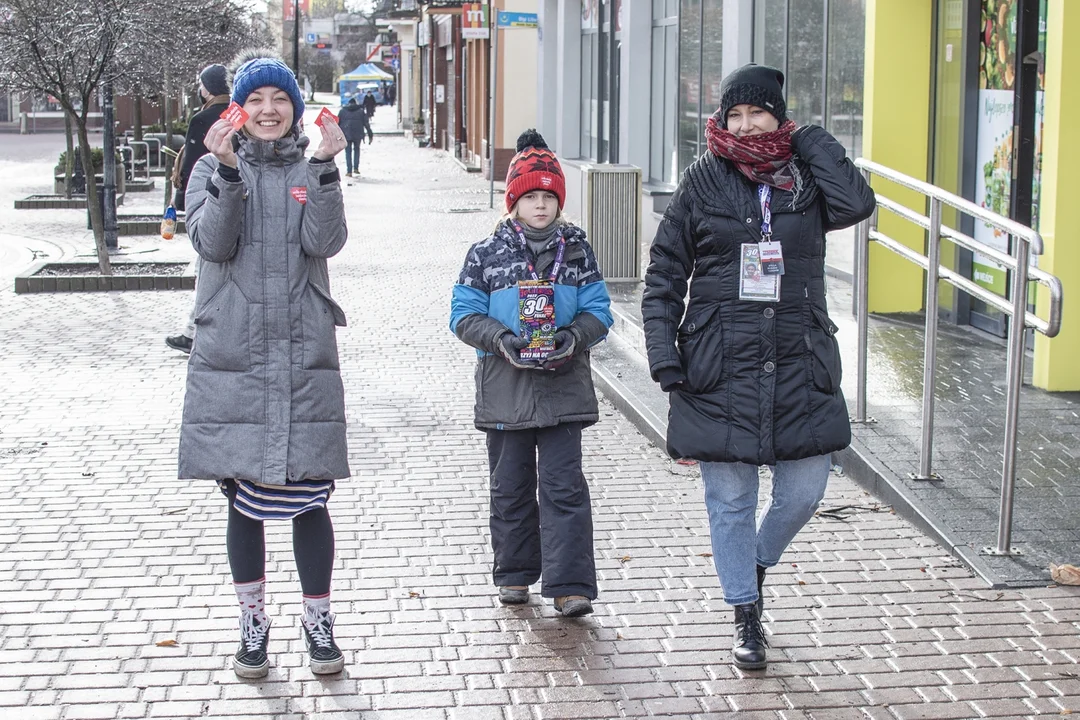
(316, 607)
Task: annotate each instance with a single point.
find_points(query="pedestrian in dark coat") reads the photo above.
(264, 411)
(214, 92)
(752, 366)
(369, 104)
(354, 123)
(532, 410)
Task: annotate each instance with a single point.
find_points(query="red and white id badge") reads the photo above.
(772, 257)
(536, 303)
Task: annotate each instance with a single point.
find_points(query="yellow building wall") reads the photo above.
(1056, 359)
(896, 133)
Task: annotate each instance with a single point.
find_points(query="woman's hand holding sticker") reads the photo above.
(333, 139)
(219, 141)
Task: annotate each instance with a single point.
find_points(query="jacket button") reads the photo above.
(691, 328)
(769, 312)
(749, 220)
(770, 366)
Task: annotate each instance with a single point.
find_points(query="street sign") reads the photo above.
(518, 20)
(372, 50)
(395, 63)
(310, 38)
(474, 21)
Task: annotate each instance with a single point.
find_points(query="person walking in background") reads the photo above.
(264, 410)
(369, 104)
(354, 123)
(533, 411)
(752, 370)
(214, 92)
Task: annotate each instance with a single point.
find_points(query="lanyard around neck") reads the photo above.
(765, 197)
(555, 267)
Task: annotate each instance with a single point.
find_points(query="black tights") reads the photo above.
(313, 547)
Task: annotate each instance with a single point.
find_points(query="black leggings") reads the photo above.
(313, 547)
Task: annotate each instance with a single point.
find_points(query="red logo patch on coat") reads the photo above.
(300, 194)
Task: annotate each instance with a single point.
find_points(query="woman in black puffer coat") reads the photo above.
(753, 373)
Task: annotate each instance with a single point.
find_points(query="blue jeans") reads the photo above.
(352, 156)
(731, 496)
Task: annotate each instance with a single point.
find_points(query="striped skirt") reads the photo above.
(278, 502)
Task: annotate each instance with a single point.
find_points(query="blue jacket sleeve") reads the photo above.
(469, 307)
(594, 303)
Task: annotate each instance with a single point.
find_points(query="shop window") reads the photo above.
(805, 77)
(844, 89)
(665, 78)
(601, 49)
(589, 53)
(819, 44)
(700, 71)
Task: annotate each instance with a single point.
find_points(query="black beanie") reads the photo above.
(753, 84)
(212, 78)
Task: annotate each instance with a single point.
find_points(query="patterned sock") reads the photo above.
(251, 597)
(316, 607)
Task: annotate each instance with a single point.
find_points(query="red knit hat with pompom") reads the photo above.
(535, 167)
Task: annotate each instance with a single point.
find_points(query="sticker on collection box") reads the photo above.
(537, 312)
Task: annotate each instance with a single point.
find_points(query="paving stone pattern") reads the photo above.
(104, 553)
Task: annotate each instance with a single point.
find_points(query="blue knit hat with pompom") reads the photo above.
(264, 71)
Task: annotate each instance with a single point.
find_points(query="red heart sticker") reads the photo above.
(300, 194)
(236, 115)
(324, 116)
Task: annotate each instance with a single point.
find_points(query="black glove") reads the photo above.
(509, 346)
(565, 345)
(670, 378)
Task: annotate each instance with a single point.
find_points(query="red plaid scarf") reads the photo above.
(764, 158)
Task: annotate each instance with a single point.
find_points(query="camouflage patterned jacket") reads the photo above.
(485, 305)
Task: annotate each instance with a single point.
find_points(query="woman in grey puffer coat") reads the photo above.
(264, 412)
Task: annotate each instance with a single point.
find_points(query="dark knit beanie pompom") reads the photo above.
(531, 139)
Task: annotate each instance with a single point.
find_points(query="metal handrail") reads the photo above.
(1027, 242)
(1049, 327)
(146, 156)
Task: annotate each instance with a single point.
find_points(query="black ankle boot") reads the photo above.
(748, 651)
(760, 596)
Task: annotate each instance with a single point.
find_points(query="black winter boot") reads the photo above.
(760, 596)
(748, 650)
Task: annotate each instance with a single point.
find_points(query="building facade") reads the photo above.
(928, 87)
(452, 78)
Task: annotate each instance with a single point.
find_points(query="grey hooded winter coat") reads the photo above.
(264, 397)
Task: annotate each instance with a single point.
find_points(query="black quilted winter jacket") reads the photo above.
(751, 382)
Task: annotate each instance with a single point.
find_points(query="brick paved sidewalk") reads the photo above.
(104, 554)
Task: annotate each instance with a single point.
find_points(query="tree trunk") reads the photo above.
(165, 122)
(108, 166)
(69, 157)
(92, 203)
(136, 118)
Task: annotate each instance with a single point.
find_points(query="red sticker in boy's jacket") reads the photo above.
(300, 194)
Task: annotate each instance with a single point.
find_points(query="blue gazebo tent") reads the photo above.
(362, 77)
